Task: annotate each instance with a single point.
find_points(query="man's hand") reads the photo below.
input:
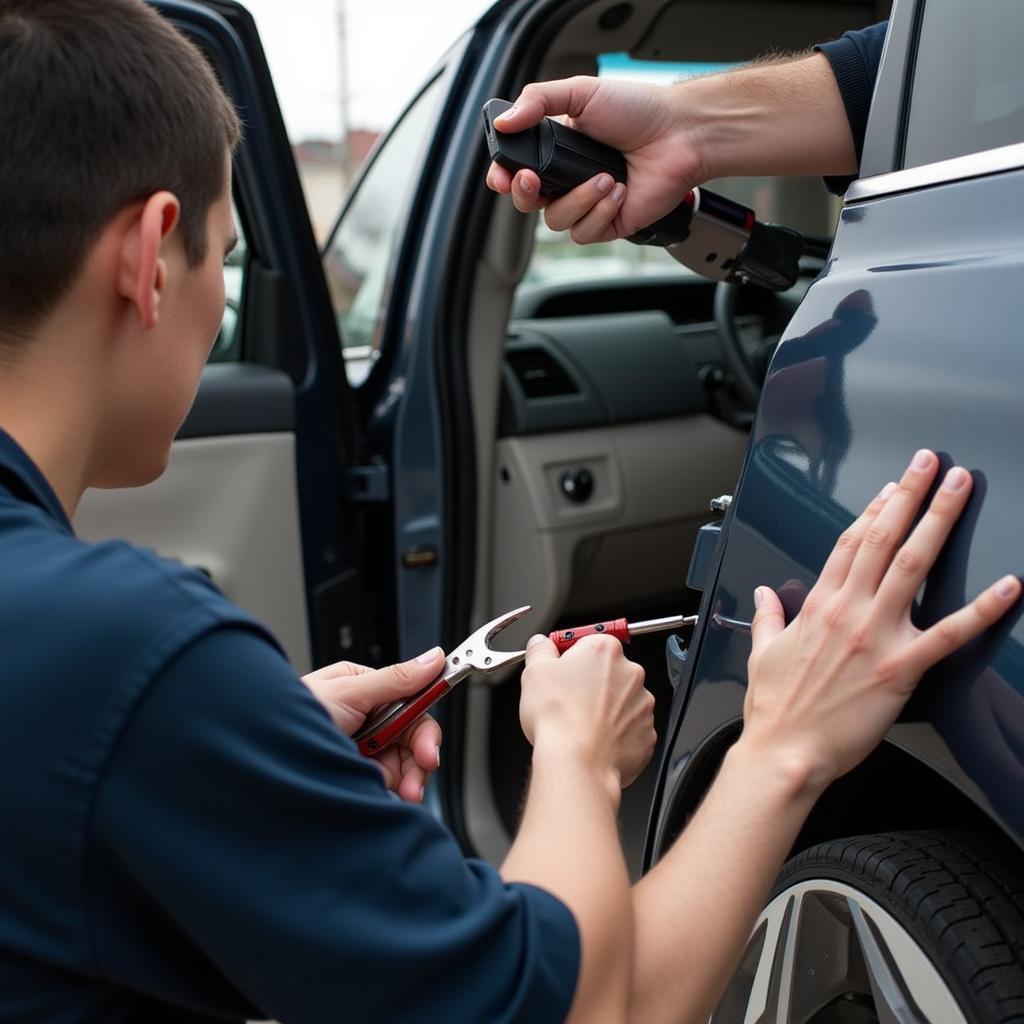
(824, 690)
(645, 122)
(772, 117)
(350, 692)
(591, 702)
(821, 694)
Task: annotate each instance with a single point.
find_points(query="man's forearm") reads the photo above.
(694, 911)
(773, 117)
(568, 843)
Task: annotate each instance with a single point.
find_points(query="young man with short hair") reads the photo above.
(188, 831)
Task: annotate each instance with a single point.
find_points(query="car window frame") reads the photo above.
(882, 170)
(914, 89)
(440, 76)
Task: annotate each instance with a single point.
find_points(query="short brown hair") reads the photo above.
(102, 103)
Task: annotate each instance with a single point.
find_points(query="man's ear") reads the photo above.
(143, 270)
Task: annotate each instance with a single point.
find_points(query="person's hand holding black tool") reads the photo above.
(712, 235)
(676, 137)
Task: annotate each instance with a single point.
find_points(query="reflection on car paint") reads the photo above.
(875, 365)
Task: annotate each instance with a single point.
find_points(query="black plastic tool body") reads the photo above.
(564, 158)
(707, 232)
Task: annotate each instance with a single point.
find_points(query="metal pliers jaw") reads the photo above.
(474, 654)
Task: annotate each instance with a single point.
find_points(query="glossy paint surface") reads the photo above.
(912, 337)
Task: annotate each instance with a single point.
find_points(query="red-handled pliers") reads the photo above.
(474, 654)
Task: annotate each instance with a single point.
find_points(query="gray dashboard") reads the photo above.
(603, 352)
(569, 373)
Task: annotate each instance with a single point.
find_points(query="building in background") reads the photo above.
(327, 169)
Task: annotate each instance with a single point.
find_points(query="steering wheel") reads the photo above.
(749, 364)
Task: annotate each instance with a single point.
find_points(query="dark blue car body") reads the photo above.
(911, 337)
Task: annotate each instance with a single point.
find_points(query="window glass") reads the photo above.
(226, 348)
(359, 258)
(801, 203)
(968, 91)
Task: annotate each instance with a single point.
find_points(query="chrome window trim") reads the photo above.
(958, 168)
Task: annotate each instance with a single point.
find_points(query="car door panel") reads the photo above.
(226, 505)
(255, 491)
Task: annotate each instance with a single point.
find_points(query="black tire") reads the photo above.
(958, 898)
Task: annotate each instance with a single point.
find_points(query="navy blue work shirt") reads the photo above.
(186, 836)
(855, 57)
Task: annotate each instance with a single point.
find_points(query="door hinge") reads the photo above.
(370, 483)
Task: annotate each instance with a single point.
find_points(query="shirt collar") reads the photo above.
(21, 476)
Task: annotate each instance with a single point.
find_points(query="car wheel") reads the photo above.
(909, 927)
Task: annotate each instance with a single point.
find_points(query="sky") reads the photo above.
(391, 47)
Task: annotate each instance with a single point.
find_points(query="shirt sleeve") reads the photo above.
(855, 58)
(235, 805)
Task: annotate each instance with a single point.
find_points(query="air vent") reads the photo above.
(539, 373)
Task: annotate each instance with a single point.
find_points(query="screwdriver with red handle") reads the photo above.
(620, 629)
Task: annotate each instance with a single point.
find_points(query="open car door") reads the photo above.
(310, 479)
(256, 494)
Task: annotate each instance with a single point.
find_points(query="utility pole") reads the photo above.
(344, 152)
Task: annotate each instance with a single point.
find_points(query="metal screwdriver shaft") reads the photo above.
(660, 625)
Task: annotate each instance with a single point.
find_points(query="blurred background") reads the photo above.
(340, 87)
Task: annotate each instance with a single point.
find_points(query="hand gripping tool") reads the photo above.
(706, 232)
(475, 654)
(620, 629)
